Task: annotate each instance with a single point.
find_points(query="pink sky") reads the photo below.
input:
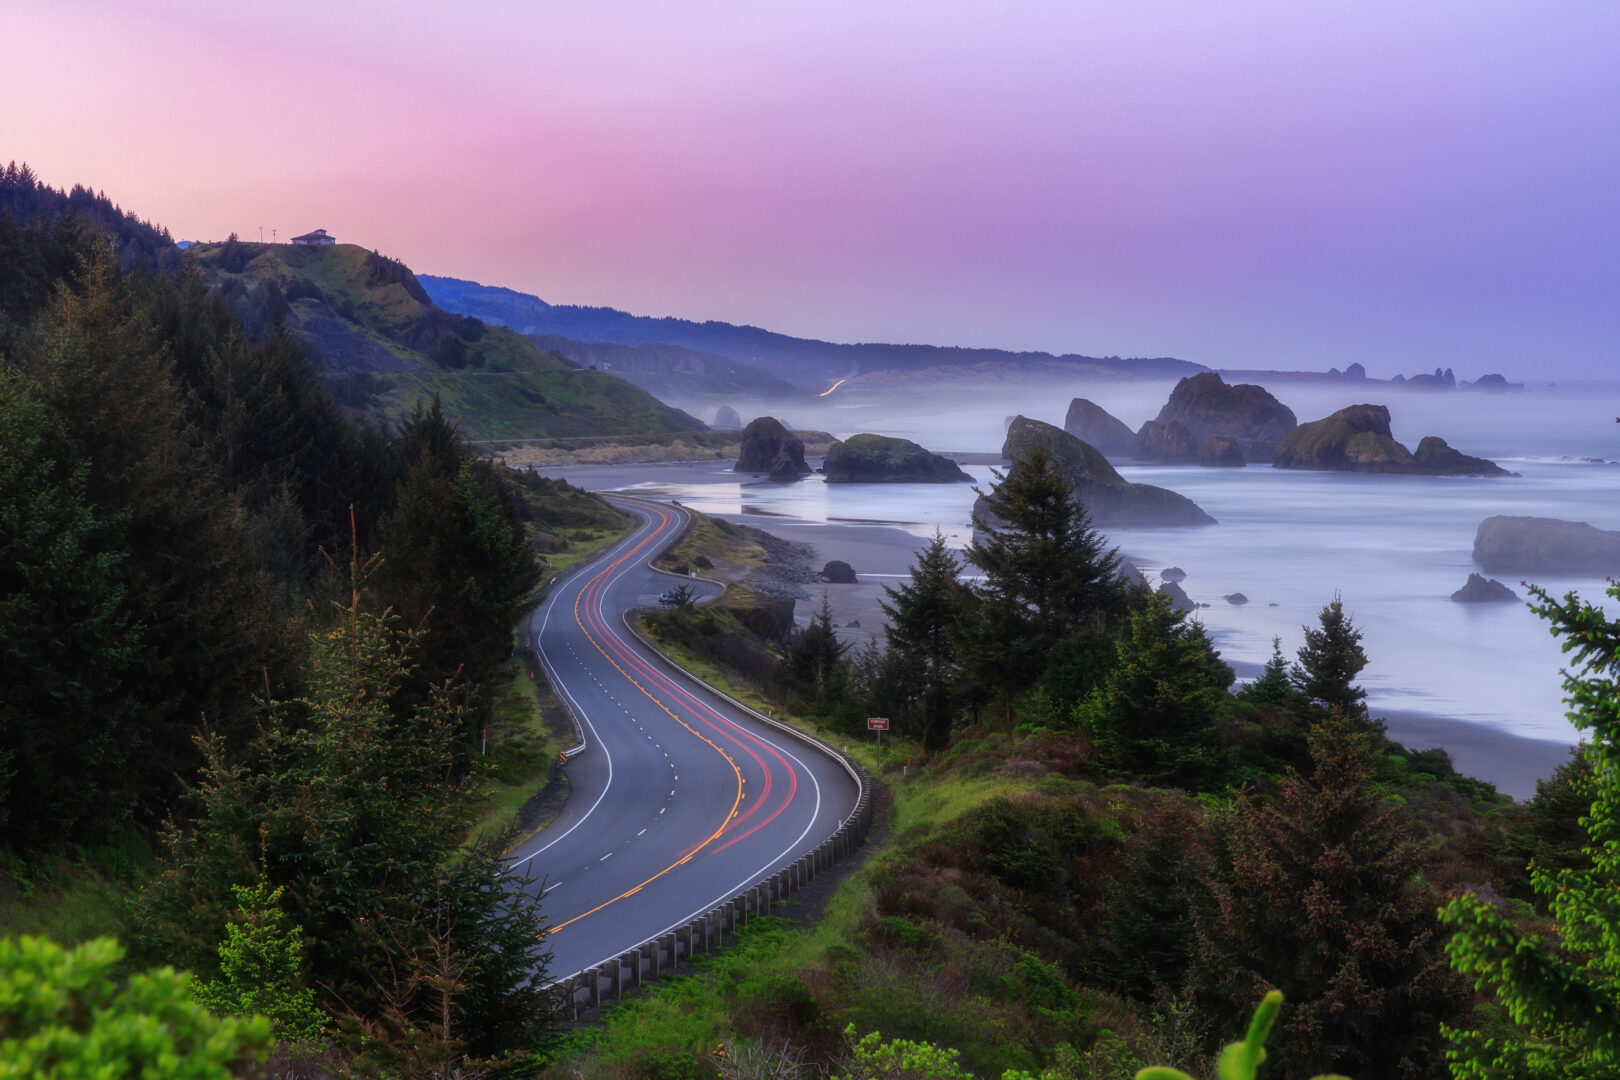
(1243, 184)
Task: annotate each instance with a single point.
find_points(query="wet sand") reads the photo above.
(882, 556)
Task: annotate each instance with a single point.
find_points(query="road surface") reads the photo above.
(680, 799)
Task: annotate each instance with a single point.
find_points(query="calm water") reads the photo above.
(1395, 548)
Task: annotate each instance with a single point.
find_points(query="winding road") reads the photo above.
(680, 799)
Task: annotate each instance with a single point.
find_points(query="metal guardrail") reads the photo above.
(608, 980)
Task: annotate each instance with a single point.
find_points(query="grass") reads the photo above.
(73, 901)
(521, 750)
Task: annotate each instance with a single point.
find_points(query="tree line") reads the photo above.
(1301, 862)
(240, 622)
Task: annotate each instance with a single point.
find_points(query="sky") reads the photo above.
(1245, 184)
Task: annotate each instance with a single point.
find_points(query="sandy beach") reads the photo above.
(882, 556)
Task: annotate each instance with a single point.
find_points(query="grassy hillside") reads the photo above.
(383, 345)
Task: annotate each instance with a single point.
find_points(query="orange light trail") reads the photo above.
(833, 387)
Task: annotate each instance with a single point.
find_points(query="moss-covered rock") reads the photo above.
(1206, 406)
(768, 447)
(1435, 456)
(1358, 439)
(1110, 499)
(879, 459)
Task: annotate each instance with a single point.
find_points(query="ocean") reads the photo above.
(1394, 548)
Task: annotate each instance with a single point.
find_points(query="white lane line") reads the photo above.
(641, 833)
(606, 857)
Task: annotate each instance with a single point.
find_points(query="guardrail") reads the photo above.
(591, 986)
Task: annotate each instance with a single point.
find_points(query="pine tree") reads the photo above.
(925, 627)
(1153, 715)
(1329, 662)
(1562, 995)
(1046, 572)
(1318, 895)
(815, 668)
(69, 638)
(360, 815)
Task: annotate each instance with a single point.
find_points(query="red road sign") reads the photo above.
(877, 723)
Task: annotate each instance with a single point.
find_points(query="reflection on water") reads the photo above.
(1395, 548)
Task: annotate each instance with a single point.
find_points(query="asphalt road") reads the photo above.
(680, 800)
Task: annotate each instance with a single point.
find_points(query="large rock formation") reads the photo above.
(726, 419)
(1091, 423)
(877, 459)
(1109, 498)
(1169, 442)
(838, 572)
(1206, 406)
(768, 447)
(1221, 451)
(1434, 456)
(1358, 439)
(1545, 546)
(1480, 590)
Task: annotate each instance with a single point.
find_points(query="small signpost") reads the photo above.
(879, 724)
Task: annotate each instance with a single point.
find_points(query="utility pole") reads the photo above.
(261, 234)
(272, 235)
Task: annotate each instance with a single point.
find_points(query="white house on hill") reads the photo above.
(318, 237)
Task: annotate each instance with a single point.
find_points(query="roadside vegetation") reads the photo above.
(253, 647)
(1102, 854)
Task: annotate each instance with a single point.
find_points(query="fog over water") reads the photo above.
(1394, 547)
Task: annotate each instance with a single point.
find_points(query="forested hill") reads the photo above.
(383, 345)
(805, 362)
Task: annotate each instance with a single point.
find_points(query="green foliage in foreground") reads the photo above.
(63, 1014)
(1240, 1060)
(1564, 995)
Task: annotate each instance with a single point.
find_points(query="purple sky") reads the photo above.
(1408, 185)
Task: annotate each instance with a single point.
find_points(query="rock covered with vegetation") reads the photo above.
(1094, 425)
(726, 419)
(1537, 545)
(881, 459)
(1207, 406)
(1107, 496)
(1357, 438)
(768, 447)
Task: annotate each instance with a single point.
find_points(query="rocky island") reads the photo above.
(879, 459)
(1096, 426)
(1358, 439)
(1536, 545)
(768, 447)
(1109, 497)
(1203, 407)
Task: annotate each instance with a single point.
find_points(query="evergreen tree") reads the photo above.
(1046, 572)
(1273, 686)
(925, 628)
(69, 639)
(1329, 662)
(261, 967)
(815, 668)
(360, 816)
(1318, 895)
(1562, 995)
(1153, 715)
(185, 550)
